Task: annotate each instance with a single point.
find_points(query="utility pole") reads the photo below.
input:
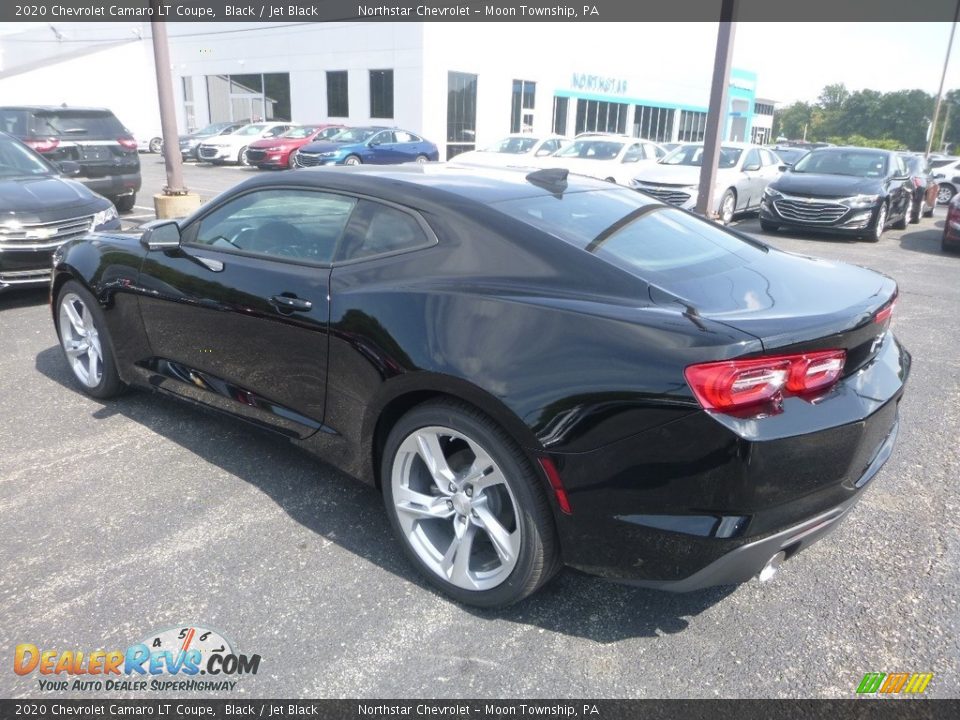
(175, 200)
(943, 77)
(717, 115)
(943, 130)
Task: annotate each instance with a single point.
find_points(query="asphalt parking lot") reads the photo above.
(140, 514)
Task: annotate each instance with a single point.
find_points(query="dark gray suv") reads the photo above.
(93, 138)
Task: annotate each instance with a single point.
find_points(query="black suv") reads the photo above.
(104, 149)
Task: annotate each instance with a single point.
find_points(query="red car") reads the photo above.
(951, 227)
(280, 151)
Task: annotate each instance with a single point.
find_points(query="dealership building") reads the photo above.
(461, 85)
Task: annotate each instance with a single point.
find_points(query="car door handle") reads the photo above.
(291, 303)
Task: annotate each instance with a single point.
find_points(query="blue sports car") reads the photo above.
(368, 145)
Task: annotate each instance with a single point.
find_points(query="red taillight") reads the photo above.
(734, 384)
(558, 490)
(43, 145)
(884, 313)
(127, 143)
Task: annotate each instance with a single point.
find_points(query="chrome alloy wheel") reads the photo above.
(728, 208)
(80, 340)
(455, 508)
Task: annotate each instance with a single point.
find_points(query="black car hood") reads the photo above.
(44, 196)
(816, 185)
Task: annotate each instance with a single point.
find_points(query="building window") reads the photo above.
(560, 115)
(521, 106)
(760, 135)
(601, 116)
(653, 123)
(762, 109)
(461, 113)
(381, 93)
(251, 97)
(189, 109)
(337, 102)
(693, 126)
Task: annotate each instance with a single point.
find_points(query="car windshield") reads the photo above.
(213, 129)
(591, 150)
(17, 160)
(790, 155)
(80, 123)
(644, 237)
(354, 135)
(693, 155)
(857, 163)
(299, 133)
(513, 145)
(250, 130)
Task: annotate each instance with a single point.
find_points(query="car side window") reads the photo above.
(402, 136)
(634, 153)
(291, 224)
(378, 229)
(655, 151)
(548, 147)
(752, 159)
(383, 138)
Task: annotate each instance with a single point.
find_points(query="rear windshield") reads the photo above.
(646, 238)
(79, 123)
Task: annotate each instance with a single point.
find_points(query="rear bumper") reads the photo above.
(114, 186)
(746, 561)
(705, 500)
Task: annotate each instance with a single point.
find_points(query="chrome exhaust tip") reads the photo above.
(773, 565)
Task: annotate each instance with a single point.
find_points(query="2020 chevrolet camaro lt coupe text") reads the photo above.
(536, 369)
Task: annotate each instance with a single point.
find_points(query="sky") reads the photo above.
(793, 61)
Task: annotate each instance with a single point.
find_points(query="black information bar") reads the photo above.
(860, 709)
(472, 11)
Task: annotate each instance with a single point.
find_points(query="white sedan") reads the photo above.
(615, 158)
(233, 147)
(743, 173)
(517, 150)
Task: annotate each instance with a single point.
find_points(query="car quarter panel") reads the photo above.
(570, 348)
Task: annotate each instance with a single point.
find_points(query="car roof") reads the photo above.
(410, 182)
(57, 108)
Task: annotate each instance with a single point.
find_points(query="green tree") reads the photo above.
(832, 97)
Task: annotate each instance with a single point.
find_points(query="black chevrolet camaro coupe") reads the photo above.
(536, 369)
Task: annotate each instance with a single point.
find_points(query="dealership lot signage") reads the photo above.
(599, 83)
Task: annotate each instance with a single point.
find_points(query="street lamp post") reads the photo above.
(717, 115)
(943, 77)
(175, 200)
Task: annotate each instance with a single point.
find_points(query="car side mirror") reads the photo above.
(163, 235)
(751, 168)
(785, 167)
(68, 168)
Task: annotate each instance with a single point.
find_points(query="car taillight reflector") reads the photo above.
(127, 143)
(553, 475)
(884, 313)
(43, 145)
(734, 384)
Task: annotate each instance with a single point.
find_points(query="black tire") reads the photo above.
(125, 203)
(537, 558)
(292, 160)
(768, 226)
(611, 180)
(723, 216)
(110, 384)
(156, 145)
(879, 224)
(901, 224)
(352, 160)
(946, 193)
(242, 157)
(422, 159)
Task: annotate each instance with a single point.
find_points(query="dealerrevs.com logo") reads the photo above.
(179, 659)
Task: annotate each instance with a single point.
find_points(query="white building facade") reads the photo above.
(458, 84)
